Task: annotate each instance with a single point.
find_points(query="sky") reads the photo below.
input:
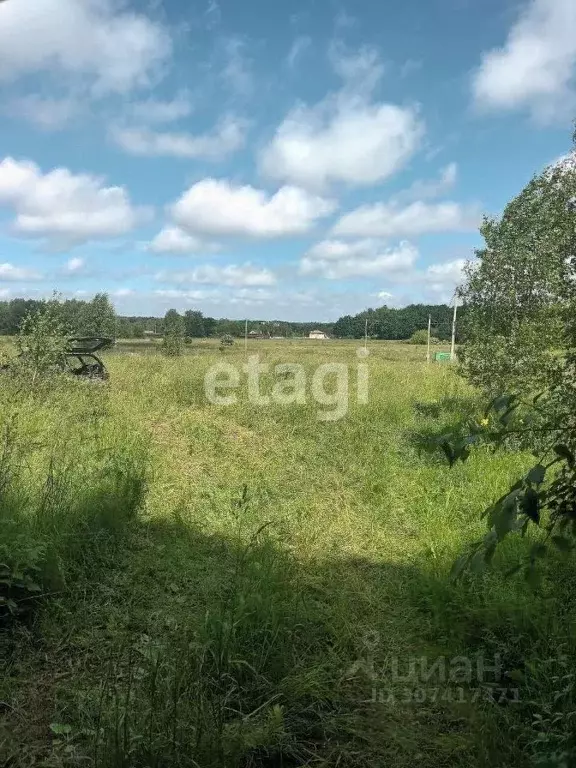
(296, 161)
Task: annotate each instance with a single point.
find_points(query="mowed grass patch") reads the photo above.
(277, 569)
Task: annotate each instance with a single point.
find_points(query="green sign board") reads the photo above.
(440, 357)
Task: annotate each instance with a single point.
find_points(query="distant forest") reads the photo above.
(98, 317)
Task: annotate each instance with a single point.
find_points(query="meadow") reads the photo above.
(247, 585)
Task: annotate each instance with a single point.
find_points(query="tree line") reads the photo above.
(398, 324)
(97, 317)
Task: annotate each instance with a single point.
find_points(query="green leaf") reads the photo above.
(503, 403)
(504, 515)
(507, 415)
(565, 453)
(537, 474)
(562, 543)
(489, 552)
(538, 550)
(478, 562)
(460, 566)
(532, 576)
(530, 505)
(59, 729)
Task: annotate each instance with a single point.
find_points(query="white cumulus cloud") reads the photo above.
(445, 277)
(174, 240)
(535, 68)
(63, 206)
(418, 218)
(347, 137)
(9, 272)
(75, 265)
(114, 49)
(341, 141)
(335, 259)
(217, 207)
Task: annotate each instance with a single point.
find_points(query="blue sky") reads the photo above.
(296, 160)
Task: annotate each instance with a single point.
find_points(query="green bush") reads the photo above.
(421, 337)
(41, 343)
(173, 334)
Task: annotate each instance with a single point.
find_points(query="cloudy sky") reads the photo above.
(295, 160)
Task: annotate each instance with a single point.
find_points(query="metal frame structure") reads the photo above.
(83, 349)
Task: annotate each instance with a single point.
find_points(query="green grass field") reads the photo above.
(250, 586)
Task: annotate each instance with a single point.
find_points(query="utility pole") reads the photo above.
(428, 344)
(453, 343)
(366, 335)
(246, 336)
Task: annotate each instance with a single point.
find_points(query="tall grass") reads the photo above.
(226, 586)
(68, 488)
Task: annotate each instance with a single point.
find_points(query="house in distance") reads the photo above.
(318, 335)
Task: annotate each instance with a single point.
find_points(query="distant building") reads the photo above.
(317, 335)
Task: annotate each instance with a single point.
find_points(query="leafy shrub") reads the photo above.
(41, 343)
(173, 334)
(226, 341)
(421, 337)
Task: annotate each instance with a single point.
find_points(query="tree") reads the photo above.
(41, 343)
(344, 327)
(100, 317)
(421, 337)
(209, 326)
(391, 323)
(516, 294)
(543, 221)
(14, 313)
(194, 324)
(173, 333)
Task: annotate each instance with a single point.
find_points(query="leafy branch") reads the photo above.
(544, 498)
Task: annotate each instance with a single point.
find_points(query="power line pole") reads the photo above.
(428, 343)
(453, 343)
(246, 336)
(366, 335)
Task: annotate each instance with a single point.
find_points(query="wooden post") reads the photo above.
(428, 345)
